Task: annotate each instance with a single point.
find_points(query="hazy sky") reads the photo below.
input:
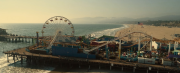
(38, 11)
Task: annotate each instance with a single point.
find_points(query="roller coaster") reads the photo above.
(105, 43)
(153, 39)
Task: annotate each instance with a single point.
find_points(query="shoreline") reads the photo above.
(125, 27)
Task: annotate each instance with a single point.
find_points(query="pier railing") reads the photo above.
(8, 36)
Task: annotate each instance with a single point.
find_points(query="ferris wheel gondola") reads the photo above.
(58, 23)
(55, 27)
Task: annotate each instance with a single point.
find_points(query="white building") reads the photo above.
(154, 44)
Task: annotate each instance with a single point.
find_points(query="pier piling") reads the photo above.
(6, 39)
(12, 39)
(7, 58)
(25, 39)
(16, 56)
(15, 40)
(79, 66)
(9, 39)
(44, 62)
(61, 64)
(31, 59)
(32, 40)
(37, 61)
(122, 68)
(21, 59)
(134, 70)
(29, 40)
(110, 67)
(22, 39)
(19, 39)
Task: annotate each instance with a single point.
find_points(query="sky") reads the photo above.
(38, 11)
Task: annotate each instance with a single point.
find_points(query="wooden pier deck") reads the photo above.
(120, 64)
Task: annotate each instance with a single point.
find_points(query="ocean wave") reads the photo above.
(17, 67)
(109, 32)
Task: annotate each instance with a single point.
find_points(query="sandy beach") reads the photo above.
(158, 32)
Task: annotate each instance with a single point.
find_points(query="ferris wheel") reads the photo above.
(57, 23)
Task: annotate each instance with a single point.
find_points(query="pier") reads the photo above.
(79, 51)
(38, 59)
(16, 38)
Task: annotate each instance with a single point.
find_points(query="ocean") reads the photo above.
(30, 29)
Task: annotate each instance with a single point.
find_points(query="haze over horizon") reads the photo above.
(88, 11)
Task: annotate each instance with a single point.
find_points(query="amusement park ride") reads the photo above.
(58, 39)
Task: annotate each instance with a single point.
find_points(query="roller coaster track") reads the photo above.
(144, 45)
(108, 42)
(154, 39)
(136, 43)
(53, 40)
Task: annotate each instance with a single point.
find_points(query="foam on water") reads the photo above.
(109, 32)
(11, 67)
(17, 67)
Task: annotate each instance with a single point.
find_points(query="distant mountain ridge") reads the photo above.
(121, 19)
(169, 17)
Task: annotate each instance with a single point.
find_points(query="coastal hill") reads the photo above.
(170, 20)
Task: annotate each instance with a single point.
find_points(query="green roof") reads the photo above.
(106, 36)
(176, 51)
